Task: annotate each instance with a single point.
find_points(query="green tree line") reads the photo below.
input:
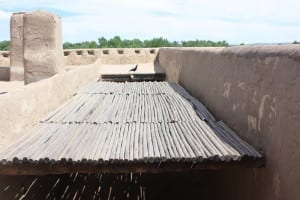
(4, 45)
(117, 42)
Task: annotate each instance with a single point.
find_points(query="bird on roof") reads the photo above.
(134, 69)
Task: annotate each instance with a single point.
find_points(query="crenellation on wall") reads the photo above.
(110, 55)
(80, 56)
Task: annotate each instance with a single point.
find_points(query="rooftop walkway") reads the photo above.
(128, 127)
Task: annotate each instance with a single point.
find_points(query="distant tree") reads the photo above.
(81, 45)
(118, 42)
(67, 45)
(204, 43)
(157, 42)
(102, 42)
(93, 45)
(137, 43)
(5, 45)
(115, 42)
(175, 44)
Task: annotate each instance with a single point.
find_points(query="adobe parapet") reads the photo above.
(4, 65)
(4, 58)
(110, 55)
(107, 55)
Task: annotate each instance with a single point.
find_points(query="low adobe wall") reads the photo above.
(4, 73)
(4, 59)
(23, 107)
(4, 65)
(77, 57)
(110, 56)
(256, 90)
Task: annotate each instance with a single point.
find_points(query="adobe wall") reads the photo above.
(255, 90)
(4, 73)
(110, 55)
(4, 66)
(16, 46)
(4, 59)
(24, 106)
(42, 46)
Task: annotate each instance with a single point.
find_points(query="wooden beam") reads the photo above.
(63, 167)
(133, 77)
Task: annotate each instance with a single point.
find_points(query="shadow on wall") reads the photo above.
(4, 73)
(4, 65)
(112, 186)
(156, 63)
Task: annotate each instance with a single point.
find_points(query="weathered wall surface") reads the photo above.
(80, 56)
(110, 56)
(4, 66)
(23, 108)
(128, 56)
(4, 73)
(256, 90)
(43, 52)
(4, 59)
(16, 47)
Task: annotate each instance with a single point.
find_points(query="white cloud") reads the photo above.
(236, 21)
(4, 15)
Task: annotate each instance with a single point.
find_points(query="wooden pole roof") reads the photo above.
(128, 127)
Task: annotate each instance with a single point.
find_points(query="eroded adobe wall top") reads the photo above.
(110, 55)
(4, 59)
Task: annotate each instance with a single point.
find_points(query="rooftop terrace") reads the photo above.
(128, 127)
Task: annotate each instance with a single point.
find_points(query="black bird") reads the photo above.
(134, 69)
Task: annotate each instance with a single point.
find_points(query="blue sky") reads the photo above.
(237, 21)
